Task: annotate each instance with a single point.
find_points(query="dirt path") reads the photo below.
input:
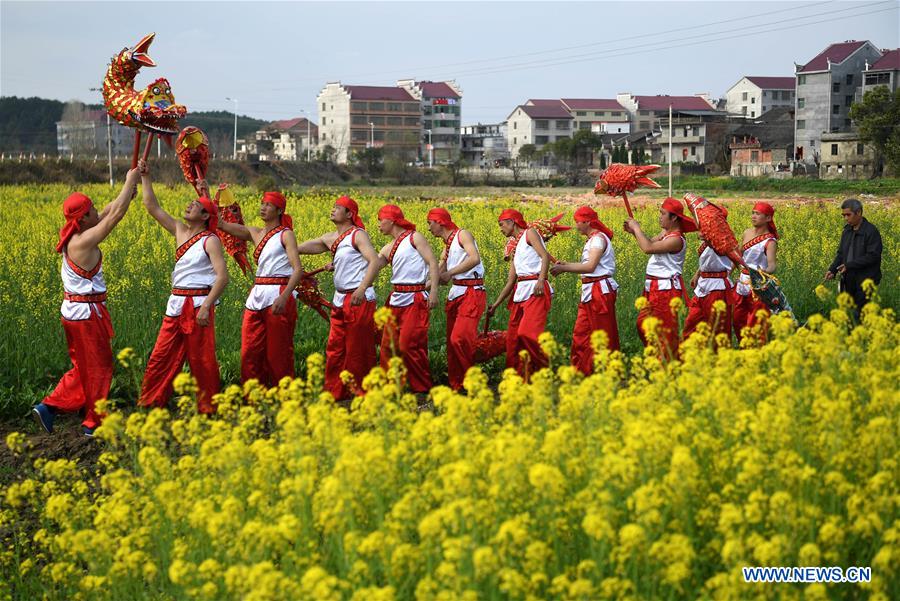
(66, 442)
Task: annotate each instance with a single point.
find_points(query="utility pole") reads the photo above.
(670, 151)
(430, 150)
(234, 151)
(108, 141)
(371, 135)
(308, 140)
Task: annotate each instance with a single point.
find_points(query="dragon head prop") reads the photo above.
(154, 108)
(618, 179)
(192, 148)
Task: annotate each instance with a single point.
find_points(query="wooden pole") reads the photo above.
(137, 148)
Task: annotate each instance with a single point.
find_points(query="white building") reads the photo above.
(598, 115)
(537, 122)
(441, 116)
(754, 95)
(484, 144)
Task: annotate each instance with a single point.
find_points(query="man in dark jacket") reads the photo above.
(859, 253)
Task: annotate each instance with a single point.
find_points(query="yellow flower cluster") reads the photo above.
(642, 481)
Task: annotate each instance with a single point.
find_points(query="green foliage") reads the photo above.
(877, 118)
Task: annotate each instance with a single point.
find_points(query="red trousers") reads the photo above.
(527, 321)
(700, 310)
(745, 309)
(599, 313)
(463, 315)
(658, 307)
(408, 339)
(92, 366)
(182, 338)
(267, 344)
(350, 347)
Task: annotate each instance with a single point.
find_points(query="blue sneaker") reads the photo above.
(43, 415)
(89, 432)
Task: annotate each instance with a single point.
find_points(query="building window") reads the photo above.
(859, 149)
(874, 79)
(743, 110)
(584, 125)
(616, 113)
(394, 107)
(801, 80)
(598, 113)
(754, 156)
(744, 96)
(542, 124)
(801, 123)
(562, 125)
(323, 121)
(377, 120)
(644, 125)
(356, 120)
(836, 87)
(410, 107)
(752, 113)
(541, 139)
(766, 93)
(693, 150)
(848, 100)
(515, 141)
(753, 100)
(849, 79)
(835, 109)
(411, 121)
(847, 122)
(323, 107)
(395, 121)
(356, 106)
(359, 135)
(643, 113)
(801, 102)
(581, 113)
(376, 106)
(834, 150)
(515, 125)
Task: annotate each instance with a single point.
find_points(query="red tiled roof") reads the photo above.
(546, 111)
(437, 89)
(773, 83)
(678, 103)
(286, 123)
(378, 93)
(590, 104)
(837, 53)
(890, 60)
(543, 102)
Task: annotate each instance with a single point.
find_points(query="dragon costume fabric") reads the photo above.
(619, 180)
(230, 212)
(152, 109)
(546, 227)
(713, 224)
(192, 149)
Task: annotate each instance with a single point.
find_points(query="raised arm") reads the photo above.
(237, 230)
(156, 211)
(213, 248)
(656, 246)
(593, 259)
(376, 263)
(427, 254)
(113, 213)
(290, 248)
(315, 246)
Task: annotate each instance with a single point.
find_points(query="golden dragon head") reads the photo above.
(158, 112)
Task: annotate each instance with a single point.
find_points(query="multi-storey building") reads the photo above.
(441, 118)
(538, 122)
(483, 145)
(884, 72)
(826, 88)
(599, 115)
(646, 111)
(353, 118)
(89, 134)
(754, 95)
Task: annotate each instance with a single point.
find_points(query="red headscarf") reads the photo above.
(676, 208)
(767, 209)
(350, 204)
(395, 214)
(589, 215)
(75, 207)
(515, 216)
(210, 207)
(442, 216)
(277, 199)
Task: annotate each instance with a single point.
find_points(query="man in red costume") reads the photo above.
(597, 309)
(85, 319)
(531, 293)
(270, 314)
(461, 267)
(710, 284)
(414, 276)
(759, 248)
(188, 328)
(351, 338)
(664, 281)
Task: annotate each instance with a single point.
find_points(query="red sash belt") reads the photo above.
(590, 279)
(714, 274)
(191, 291)
(266, 281)
(527, 278)
(673, 279)
(469, 282)
(97, 297)
(410, 287)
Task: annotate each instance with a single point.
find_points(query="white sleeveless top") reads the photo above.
(711, 262)
(192, 270)
(755, 257)
(456, 255)
(668, 266)
(606, 266)
(407, 267)
(80, 281)
(526, 262)
(273, 262)
(349, 269)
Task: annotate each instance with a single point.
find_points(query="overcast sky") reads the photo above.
(275, 57)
